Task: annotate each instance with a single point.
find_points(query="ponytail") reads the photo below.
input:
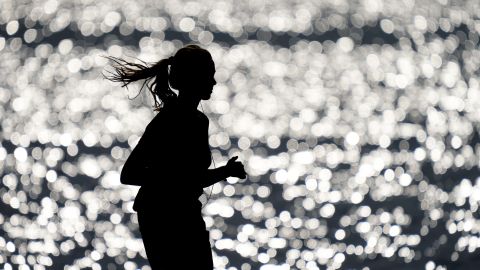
(156, 78)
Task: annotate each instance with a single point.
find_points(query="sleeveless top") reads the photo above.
(177, 152)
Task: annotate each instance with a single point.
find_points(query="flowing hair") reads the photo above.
(156, 78)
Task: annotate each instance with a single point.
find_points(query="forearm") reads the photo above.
(213, 176)
(135, 177)
(138, 167)
(135, 171)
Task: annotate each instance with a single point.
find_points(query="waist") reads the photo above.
(152, 200)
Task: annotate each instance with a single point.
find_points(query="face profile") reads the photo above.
(192, 73)
(201, 82)
(207, 82)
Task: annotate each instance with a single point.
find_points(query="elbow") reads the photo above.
(127, 178)
(124, 178)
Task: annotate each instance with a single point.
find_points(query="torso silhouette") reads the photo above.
(175, 151)
(170, 163)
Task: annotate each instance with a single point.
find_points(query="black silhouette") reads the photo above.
(171, 160)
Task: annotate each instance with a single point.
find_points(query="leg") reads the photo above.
(150, 238)
(198, 250)
(183, 246)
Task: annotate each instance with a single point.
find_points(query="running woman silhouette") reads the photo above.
(171, 160)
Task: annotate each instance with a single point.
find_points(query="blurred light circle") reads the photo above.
(187, 24)
(387, 26)
(12, 27)
(345, 44)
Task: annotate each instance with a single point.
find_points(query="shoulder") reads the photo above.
(157, 119)
(160, 119)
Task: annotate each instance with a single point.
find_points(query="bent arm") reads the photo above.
(133, 173)
(213, 176)
(136, 169)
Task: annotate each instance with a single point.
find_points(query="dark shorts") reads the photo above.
(175, 242)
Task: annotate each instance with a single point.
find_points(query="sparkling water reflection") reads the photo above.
(357, 122)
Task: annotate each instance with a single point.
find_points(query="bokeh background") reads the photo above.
(357, 122)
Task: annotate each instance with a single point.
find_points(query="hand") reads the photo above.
(235, 168)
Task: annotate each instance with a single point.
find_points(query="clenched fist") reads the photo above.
(235, 168)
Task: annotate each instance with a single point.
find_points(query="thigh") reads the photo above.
(153, 232)
(196, 252)
(179, 244)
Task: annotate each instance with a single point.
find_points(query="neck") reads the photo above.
(188, 102)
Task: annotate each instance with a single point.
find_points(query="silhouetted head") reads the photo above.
(190, 71)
